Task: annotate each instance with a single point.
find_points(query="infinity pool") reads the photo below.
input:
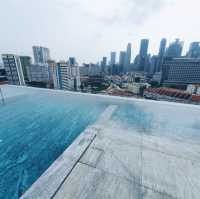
(37, 125)
(35, 128)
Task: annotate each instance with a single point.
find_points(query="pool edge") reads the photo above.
(48, 184)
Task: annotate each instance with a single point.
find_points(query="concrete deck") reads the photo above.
(109, 162)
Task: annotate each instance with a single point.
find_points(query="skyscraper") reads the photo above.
(175, 49)
(122, 59)
(104, 66)
(41, 54)
(162, 47)
(112, 67)
(147, 64)
(72, 61)
(194, 51)
(153, 64)
(112, 58)
(14, 70)
(144, 47)
(161, 55)
(128, 58)
(143, 55)
(104, 61)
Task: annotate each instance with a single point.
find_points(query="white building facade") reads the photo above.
(68, 77)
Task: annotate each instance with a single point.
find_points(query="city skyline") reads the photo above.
(89, 34)
(133, 56)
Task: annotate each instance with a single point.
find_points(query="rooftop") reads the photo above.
(136, 149)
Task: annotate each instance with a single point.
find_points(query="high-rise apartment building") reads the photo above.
(68, 77)
(38, 73)
(41, 54)
(14, 70)
(52, 74)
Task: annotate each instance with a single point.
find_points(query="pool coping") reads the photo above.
(108, 97)
(49, 183)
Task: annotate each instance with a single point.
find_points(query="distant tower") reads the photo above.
(143, 55)
(175, 49)
(162, 47)
(122, 59)
(112, 58)
(72, 61)
(144, 47)
(128, 58)
(194, 51)
(112, 67)
(104, 66)
(161, 55)
(41, 54)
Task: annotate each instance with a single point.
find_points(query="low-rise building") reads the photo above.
(135, 88)
(193, 89)
(173, 95)
(157, 77)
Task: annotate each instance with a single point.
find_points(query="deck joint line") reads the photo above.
(77, 161)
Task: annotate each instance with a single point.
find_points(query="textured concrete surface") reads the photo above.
(111, 162)
(123, 164)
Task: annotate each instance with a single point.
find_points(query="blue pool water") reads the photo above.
(34, 130)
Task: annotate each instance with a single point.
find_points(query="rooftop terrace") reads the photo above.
(114, 158)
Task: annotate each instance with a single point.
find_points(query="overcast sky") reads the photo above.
(90, 29)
